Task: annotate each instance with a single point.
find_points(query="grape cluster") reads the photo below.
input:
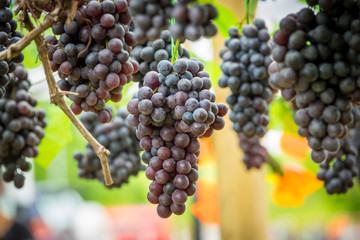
(92, 55)
(245, 62)
(8, 36)
(149, 54)
(246, 58)
(339, 169)
(193, 22)
(151, 17)
(172, 109)
(356, 142)
(21, 128)
(255, 155)
(317, 68)
(120, 139)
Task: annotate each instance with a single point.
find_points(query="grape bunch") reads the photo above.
(246, 58)
(121, 140)
(255, 155)
(317, 68)
(356, 142)
(172, 109)
(21, 128)
(192, 22)
(149, 54)
(245, 62)
(150, 18)
(8, 36)
(92, 55)
(339, 169)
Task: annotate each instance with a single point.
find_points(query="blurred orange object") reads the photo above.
(337, 225)
(292, 188)
(294, 146)
(206, 208)
(207, 152)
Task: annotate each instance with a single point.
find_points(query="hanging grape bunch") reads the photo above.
(356, 142)
(172, 109)
(339, 169)
(120, 139)
(255, 155)
(149, 54)
(245, 62)
(193, 20)
(21, 128)
(8, 36)
(338, 172)
(92, 55)
(151, 17)
(317, 68)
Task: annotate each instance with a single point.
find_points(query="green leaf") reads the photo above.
(31, 55)
(57, 135)
(214, 71)
(275, 165)
(282, 116)
(225, 20)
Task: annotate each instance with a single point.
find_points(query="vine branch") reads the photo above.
(56, 95)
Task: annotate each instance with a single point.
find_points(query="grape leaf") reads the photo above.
(282, 116)
(57, 135)
(225, 20)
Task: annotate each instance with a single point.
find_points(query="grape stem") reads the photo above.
(72, 12)
(15, 49)
(248, 20)
(66, 93)
(56, 95)
(175, 52)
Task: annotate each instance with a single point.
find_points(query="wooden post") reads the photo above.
(242, 196)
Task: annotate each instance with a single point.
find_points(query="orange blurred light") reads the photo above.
(292, 188)
(294, 146)
(206, 209)
(207, 152)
